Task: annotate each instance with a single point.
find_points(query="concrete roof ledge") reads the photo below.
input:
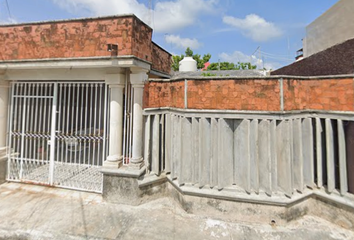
(85, 62)
(250, 77)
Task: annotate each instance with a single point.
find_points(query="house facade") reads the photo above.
(71, 97)
(88, 104)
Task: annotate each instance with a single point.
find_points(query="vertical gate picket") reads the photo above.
(57, 142)
(53, 135)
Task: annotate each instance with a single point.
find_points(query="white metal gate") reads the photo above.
(128, 123)
(58, 134)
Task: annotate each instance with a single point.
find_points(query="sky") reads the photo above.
(265, 32)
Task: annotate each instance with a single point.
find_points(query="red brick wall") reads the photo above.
(253, 94)
(234, 94)
(82, 38)
(324, 94)
(161, 60)
(141, 40)
(162, 94)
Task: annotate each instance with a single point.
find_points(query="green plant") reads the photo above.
(208, 74)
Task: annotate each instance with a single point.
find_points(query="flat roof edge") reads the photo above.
(272, 77)
(73, 59)
(73, 20)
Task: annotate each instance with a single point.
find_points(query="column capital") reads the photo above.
(138, 78)
(115, 80)
(138, 70)
(116, 86)
(137, 86)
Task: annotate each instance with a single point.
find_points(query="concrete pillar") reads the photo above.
(226, 159)
(214, 158)
(273, 154)
(195, 147)
(186, 161)
(319, 151)
(137, 80)
(155, 161)
(342, 158)
(298, 156)
(176, 145)
(4, 95)
(283, 134)
(168, 139)
(349, 135)
(308, 152)
(254, 157)
(116, 85)
(205, 151)
(148, 148)
(264, 157)
(242, 154)
(330, 156)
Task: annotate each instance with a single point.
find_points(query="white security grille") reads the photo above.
(58, 134)
(128, 123)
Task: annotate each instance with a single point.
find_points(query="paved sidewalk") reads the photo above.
(36, 212)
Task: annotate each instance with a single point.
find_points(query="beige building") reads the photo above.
(335, 26)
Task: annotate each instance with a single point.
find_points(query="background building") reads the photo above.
(328, 46)
(333, 27)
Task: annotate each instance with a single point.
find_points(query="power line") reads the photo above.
(270, 55)
(275, 55)
(255, 50)
(8, 8)
(279, 58)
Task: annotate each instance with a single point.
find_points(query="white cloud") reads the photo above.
(254, 27)
(182, 43)
(8, 21)
(238, 56)
(168, 16)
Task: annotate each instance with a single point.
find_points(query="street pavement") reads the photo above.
(38, 212)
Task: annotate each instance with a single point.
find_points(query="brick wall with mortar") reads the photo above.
(253, 94)
(324, 94)
(78, 38)
(161, 58)
(164, 94)
(141, 39)
(234, 94)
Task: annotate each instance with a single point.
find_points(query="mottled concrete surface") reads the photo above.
(36, 212)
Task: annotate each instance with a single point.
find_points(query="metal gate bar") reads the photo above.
(24, 137)
(128, 122)
(82, 136)
(58, 133)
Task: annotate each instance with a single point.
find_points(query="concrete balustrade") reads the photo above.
(259, 155)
